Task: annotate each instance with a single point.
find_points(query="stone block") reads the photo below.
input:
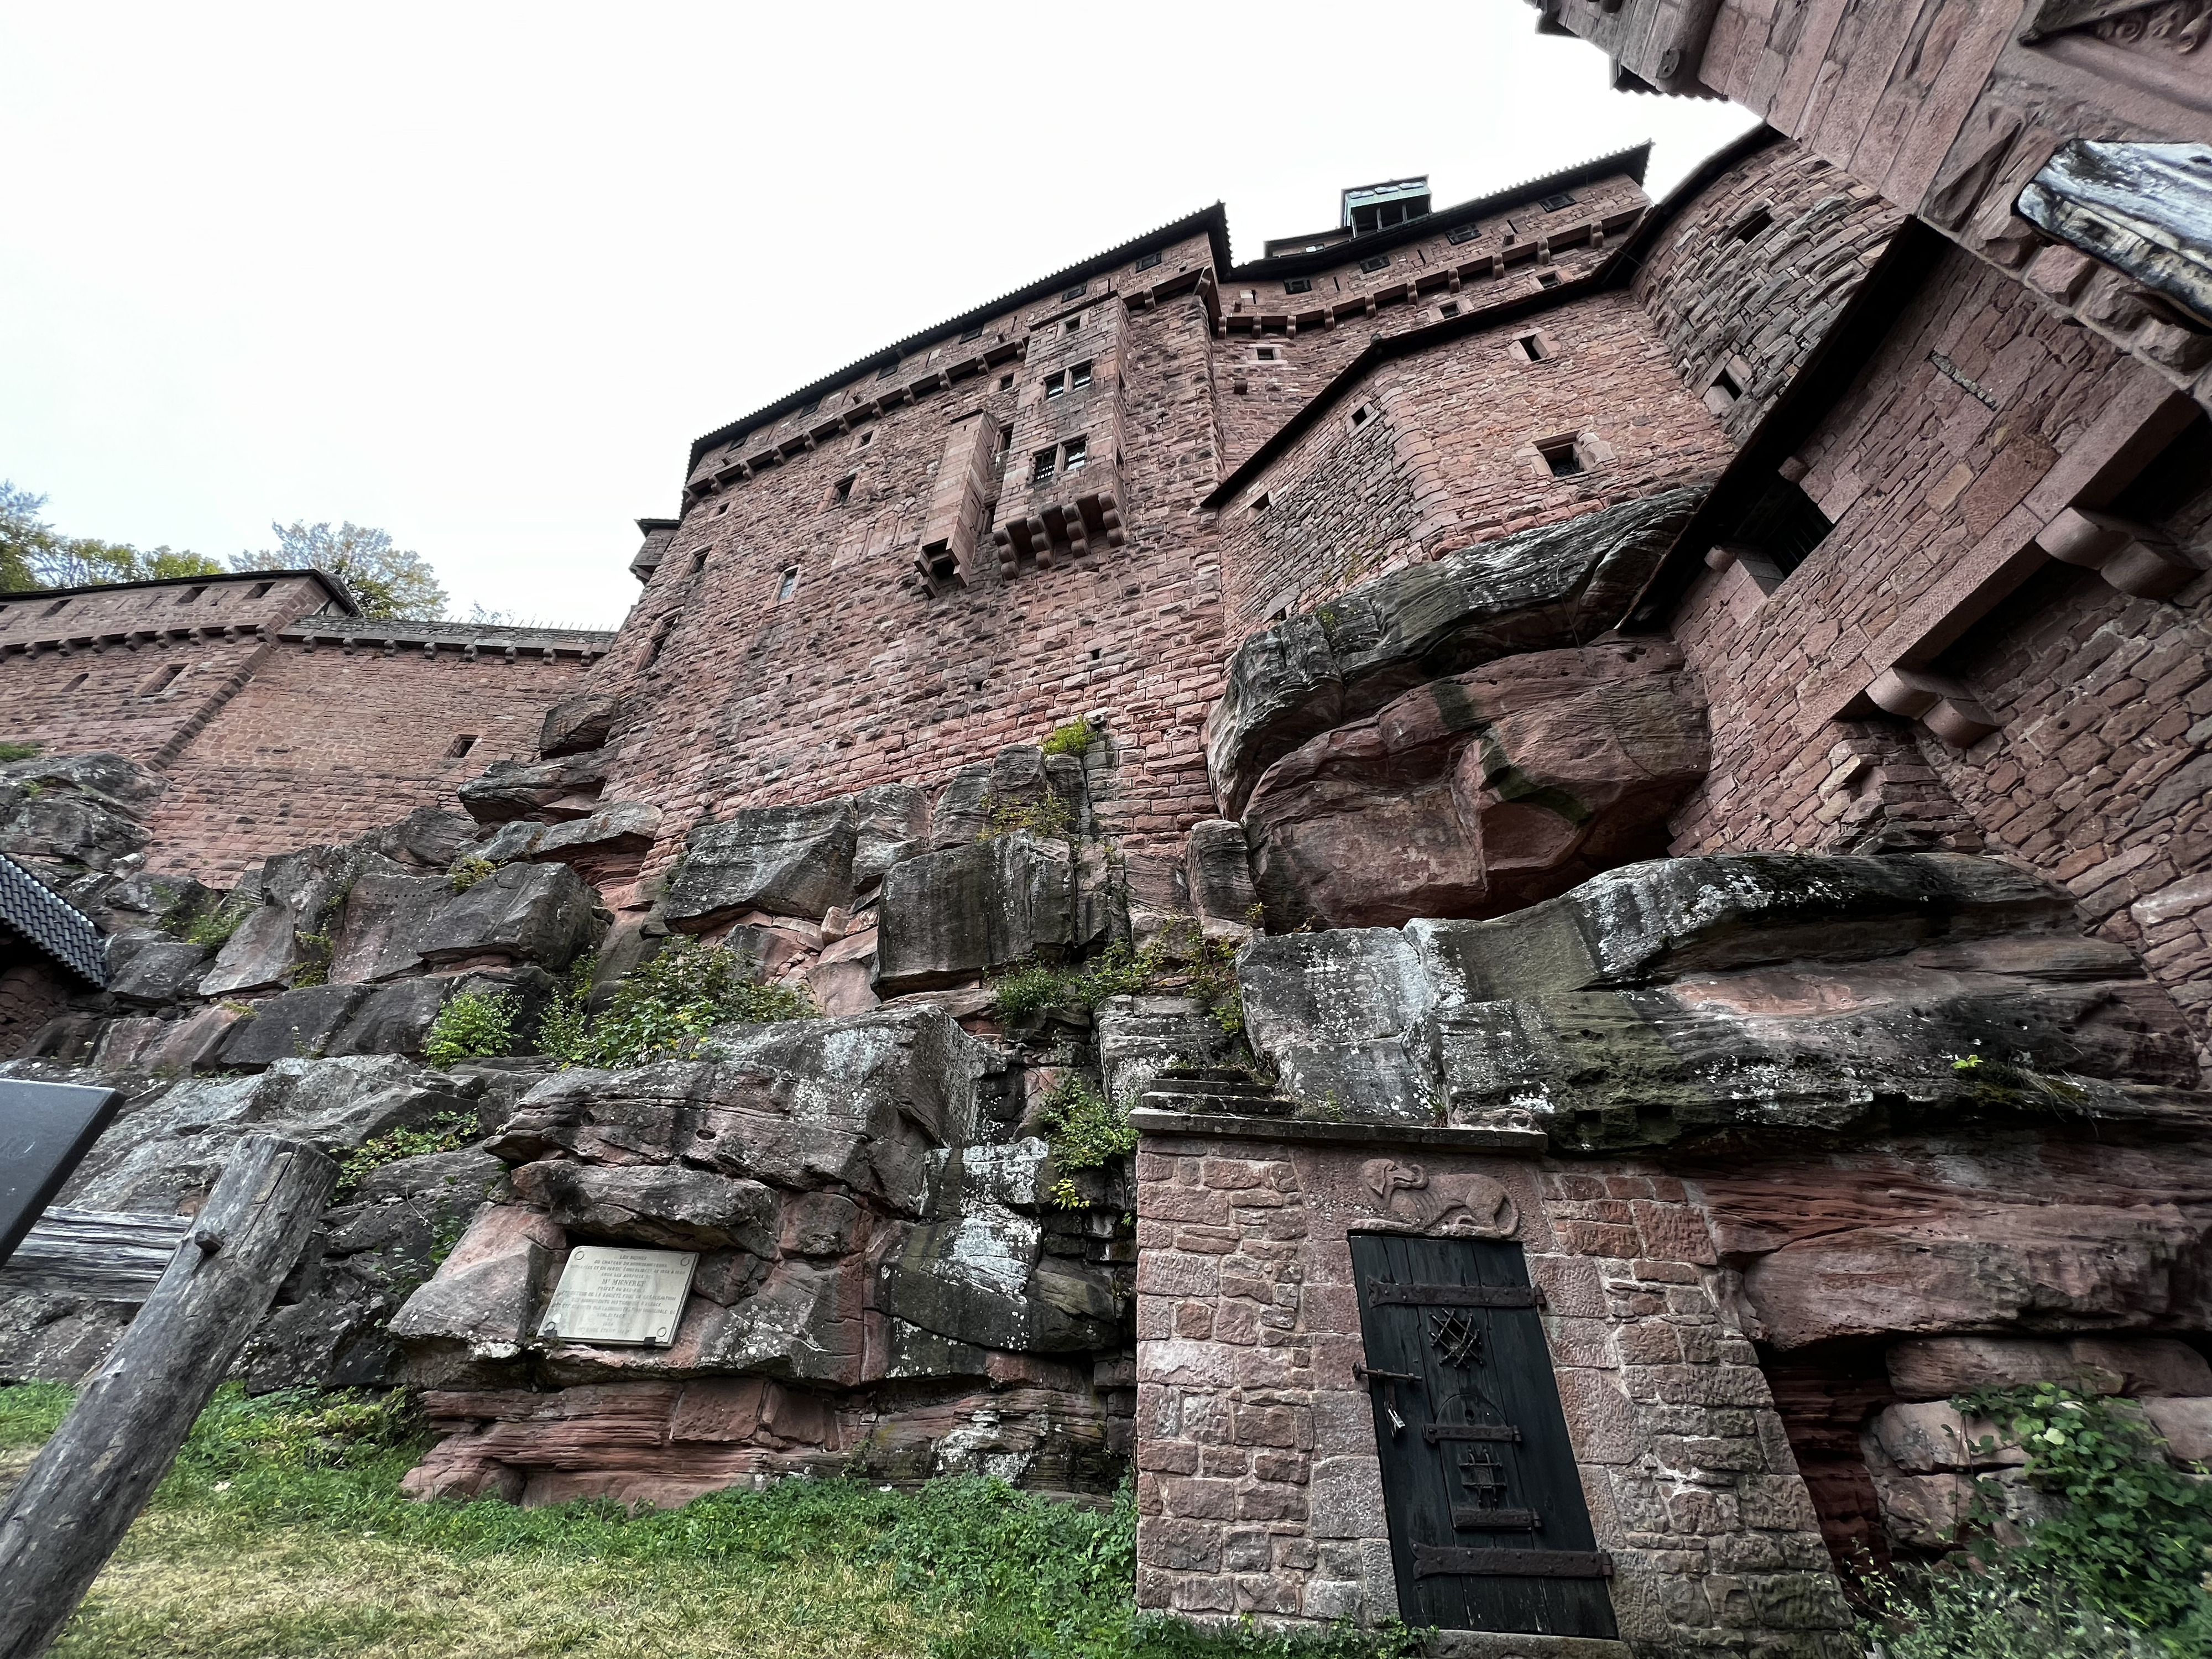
(578, 723)
(151, 968)
(1936, 1368)
(675, 1208)
(1344, 1497)
(951, 916)
(2185, 1422)
(297, 1025)
(786, 861)
(393, 1019)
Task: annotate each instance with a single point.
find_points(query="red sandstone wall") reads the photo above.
(2097, 778)
(1450, 456)
(90, 670)
(318, 746)
(1258, 394)
(861, 677)
(1752, 306)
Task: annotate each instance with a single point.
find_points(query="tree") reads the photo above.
(388, 582)
(33, 554)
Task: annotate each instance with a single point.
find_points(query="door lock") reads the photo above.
(1389, 1379)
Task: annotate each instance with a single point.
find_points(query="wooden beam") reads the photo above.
(106, 1256)
(92, 1479)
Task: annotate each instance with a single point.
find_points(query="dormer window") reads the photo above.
(974, 333)
(1148, 262)
(1553, 204)
(1298, 285)
(1464, 233)
(1375, 263)
(1075, 293)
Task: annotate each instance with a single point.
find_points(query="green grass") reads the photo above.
(281, 1534)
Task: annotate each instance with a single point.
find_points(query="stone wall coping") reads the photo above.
(1504, 1644)
(1223, 1125)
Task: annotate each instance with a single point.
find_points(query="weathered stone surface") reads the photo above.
(427, 838)
(893, 824)
(1482, 793)
(624, 826)
(578, 723)
(2146, 1367)
(392, 1019)
(151, 968)
(2186, 1423)
(952, 916)
(397, 924)
(979, 1280)
(79, 809)
(677, 1208)
(1343, 1015)
(299, 893)
(1218, 873)
(1138, 1037)
(1021, 786)
(297, 1025)
(1540, 589)
(1937, 1368)
(549, 790)
(484, 1295)
(786, 860)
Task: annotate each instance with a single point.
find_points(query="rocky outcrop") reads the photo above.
(879, 1254)
(952, 916)
(82, 811)
(1551, 588)
(1480, 793)
(786, 860)
(1779, 991)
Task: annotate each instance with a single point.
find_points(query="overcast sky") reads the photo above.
(477, 274)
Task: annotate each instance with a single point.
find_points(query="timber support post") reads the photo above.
(95, 1474)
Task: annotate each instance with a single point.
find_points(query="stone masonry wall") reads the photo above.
(319, 746)
(2097, 778)
(1458, 460)
(861, 677)
(1307, 342)
(1259, 1487)
(1748, 279)
(135, 671)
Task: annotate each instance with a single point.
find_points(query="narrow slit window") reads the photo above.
(1360, 417)
(1073, 455)
(54, 609)
(1724, 383)
(163, 681)
(789, 585)
(866, 438)
(461, 745)
(1260, 502)
(699, 560)
(1561, 455)
(659, 641)
(1298, 285)
(1750, 226)
(887, 371)
(810, 406)
(75, 682)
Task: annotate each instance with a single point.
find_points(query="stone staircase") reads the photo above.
(1214, 1090)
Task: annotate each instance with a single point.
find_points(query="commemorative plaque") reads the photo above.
(627, 1298)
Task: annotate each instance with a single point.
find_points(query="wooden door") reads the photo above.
(1488, 1529)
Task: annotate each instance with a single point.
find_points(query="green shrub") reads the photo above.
(1086, 1129)
(2118, 1569)
(1075, 738)
(211, 930)
(449, 1131)
(564, 1027)
(1207, 970)
(15, 751)
(473, 1025)
(1047, 818)
(314, 966)
(664, 1008)
(467, 872)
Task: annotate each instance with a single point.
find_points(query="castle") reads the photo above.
(1692, 716)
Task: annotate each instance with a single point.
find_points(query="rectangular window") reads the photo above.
(1265, 354)
(1298, 285)
(1079, 377)
(1757, 220)
(163, 681)
(260, 589)
(1072, 326)
(1075, 293)
(461, 745)
(1560, 455)
(1449, 308)
(974, 333)
(1148, 262)
(1376, 262)
(1361, 415)
(54, 609)
(1040, 466)
(1260, 502)
(1005, 383)
(1547, 279)
(1532, 347)
(843, 492)
(1465, 233)
(887, 371)
(809, 407)
(789, 586)
(1055, 386)
(1784, 524)
(1553, 204)
(191, 595)
(1074, 455)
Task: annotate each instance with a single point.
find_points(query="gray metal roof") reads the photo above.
(31, 908)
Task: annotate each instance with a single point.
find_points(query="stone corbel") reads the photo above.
(2133, 557)
(1942, 705)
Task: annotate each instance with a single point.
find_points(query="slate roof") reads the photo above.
(31, 908)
